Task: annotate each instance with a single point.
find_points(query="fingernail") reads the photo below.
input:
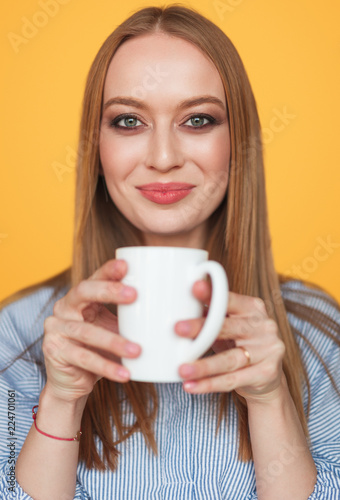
(184, 327)
(190, 386)
(187, 370)
(128, 292)
(132, 348)
(123, 373)
(119, 264)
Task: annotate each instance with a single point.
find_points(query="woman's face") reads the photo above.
(164, 139)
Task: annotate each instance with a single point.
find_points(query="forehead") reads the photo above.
(160, 63)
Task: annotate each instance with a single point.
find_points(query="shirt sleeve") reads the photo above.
(324, 428)
(20, 387)
(324, 417)
(17, 493)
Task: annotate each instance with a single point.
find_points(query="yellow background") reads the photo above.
(290, 50)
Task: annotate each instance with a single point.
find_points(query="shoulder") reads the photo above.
(310, 305)
(309, 295)
(314, 317)
(21, 334)
(22, 320)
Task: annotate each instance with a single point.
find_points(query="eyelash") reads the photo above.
(115, 121)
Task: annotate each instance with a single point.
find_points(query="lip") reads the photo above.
(165, 193)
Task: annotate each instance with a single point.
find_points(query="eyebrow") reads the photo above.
(187, 103)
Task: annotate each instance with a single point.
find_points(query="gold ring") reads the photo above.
(246, 353)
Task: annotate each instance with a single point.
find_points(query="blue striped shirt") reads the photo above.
(192, 462)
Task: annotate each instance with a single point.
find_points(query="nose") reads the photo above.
(164, 150)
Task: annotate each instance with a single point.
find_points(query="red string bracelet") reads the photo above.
(34, 416)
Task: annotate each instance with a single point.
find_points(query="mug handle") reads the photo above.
(217, 310)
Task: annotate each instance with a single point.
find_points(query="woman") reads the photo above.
(168, 107)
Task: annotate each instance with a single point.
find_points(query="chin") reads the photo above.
(165, 231)
(165, 223)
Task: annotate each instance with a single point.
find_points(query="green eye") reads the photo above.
(198, 120)
(128, 121)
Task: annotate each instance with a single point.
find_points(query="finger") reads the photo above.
(245, 305)
(189, 328)
(232, 328)
(100, 315)
(87, 291)
(202, 291)
(92, 311)
(113, 269)
(243, 328)
(95, 336)
(251, 376)
(226, 361)
(92, 362)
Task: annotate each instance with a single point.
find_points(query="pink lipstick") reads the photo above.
(165, 193)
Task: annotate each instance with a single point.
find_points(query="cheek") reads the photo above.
(221, 148)
(106, 158)
(213, 150)
(217, 173)
(214, 157)
(116, 159)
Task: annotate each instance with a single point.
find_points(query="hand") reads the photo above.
(248, 350)
(81, 342)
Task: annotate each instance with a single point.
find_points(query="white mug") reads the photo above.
(163, 278)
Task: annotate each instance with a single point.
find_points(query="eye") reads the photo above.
(198, 120)
(129, 120)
